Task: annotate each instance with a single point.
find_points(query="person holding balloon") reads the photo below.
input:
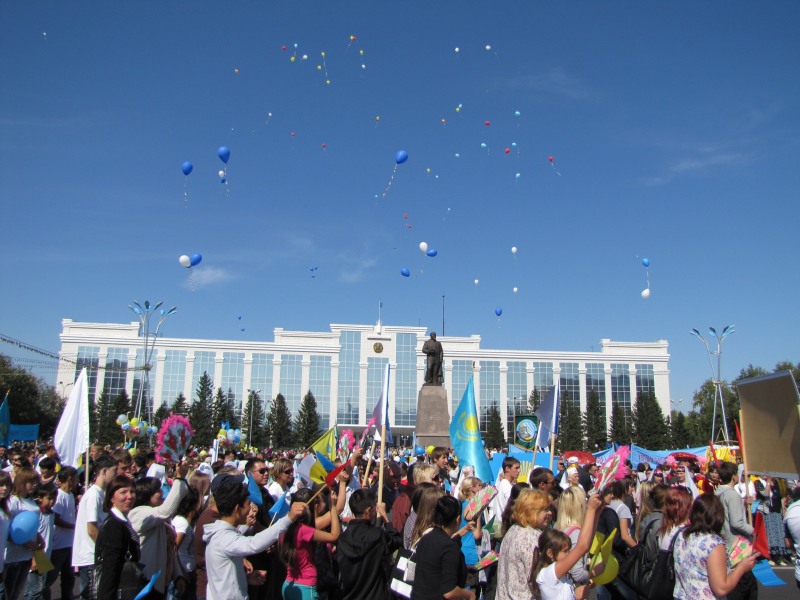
(24, 530)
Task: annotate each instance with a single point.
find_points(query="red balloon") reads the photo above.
(324, 146)
(550, 158)
(508, 150)
(293, 134)
(283, 48)
(488, 123)
(405, 216)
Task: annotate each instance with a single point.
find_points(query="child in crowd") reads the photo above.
(45, 496)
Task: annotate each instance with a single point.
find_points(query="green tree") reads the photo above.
(180, 406)
(200, 413)
(570, 429)
(106, 419)
(703, 405)
(279, 424)
(534, 401)
(30, 399)
(594, 422)
(223, 410)
(254, 413)
(787, 366)
(619, 430)
(161, 413)
(751, 371)
(495, 436)
(121, 405)
(680, 434)
(649, 427)
(306, 424)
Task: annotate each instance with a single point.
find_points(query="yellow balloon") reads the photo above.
(323, 55)
(133, 451)
(610, 573)
(134, 422)
(119, 422)
(429, 449)
(292, 59)
(361, 52)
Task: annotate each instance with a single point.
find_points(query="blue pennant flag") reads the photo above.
(466, 436)
(280, 509)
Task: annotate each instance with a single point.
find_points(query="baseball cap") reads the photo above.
(225, 480)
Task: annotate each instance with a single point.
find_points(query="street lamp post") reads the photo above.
(716, 377)
(64, 387)
(149, 343)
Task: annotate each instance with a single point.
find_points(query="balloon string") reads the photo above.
(191, 282)
(391, 179)
(185, 193)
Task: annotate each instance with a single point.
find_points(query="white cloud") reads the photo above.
(355, 269)
(208, 276)
(556, 81)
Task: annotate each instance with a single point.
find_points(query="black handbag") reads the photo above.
(660, 581)
(638, 563)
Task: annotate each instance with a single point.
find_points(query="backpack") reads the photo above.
(660, 581)
(635, 569)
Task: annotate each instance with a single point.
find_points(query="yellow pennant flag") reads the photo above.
(326, 445)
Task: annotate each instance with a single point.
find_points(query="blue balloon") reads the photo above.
(223, 180)
(419, 450)
(432, 252)
(646, 262)
(187, 167)
(224, 153)
(498, 311)
(401, 157)
(24, 527)
(195, 259)
(405, 272)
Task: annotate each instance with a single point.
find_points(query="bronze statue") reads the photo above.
(433, 350)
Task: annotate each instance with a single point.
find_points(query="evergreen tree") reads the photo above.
(649, 429)
(279, 424)
(680, 434)
(534, 401)
(93, 420)
(306, 424)
(106, 419)
(223, 410)
(200, 413)
(180, 406)
(161, 413)
(619, 431)
(594, 423)
(495, 437)
(254, 413)
(570, 429)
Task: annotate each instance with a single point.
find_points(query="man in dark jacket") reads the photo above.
(365, 550)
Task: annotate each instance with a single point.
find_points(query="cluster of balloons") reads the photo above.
(190, 261)
(135, 427)
(646, 291)
(423, 247)
(230, 437)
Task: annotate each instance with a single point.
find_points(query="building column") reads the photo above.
(632, 385)
(609, 396)
(247, 378)
(362, 393)
(661, 386)
(276, 376)
(504, 396)
(333, 411)
(188, 376)
(392, 405)
(218, 360)
(131, 375)
(476, 380)
(448, 384)
(529, 379)
(305, 376)
(158, 386)
(582, 380)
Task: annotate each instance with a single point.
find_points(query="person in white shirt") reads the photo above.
(508, 477)
(63, 535)
(282, 475)
(45, 497)
(91, 516)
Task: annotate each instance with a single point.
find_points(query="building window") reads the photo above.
(596, 380)
(116, 371)
(375, 369)
(204, 362)
(645, 379)
(571, 383)
(349, 377)
(517, 387)
(405, 376)
(490, 390)
(621, 387)
(292, 381)
(138, 382)
(319, 381)
(542, 378)
(233, 378)
(462, 371)
(261, 377)
(89, 357)
(174, 376)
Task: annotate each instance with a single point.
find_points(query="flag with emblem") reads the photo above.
(465, 433)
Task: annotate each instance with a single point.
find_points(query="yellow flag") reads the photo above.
(326, 445)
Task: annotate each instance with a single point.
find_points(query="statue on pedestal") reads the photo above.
(433, 350)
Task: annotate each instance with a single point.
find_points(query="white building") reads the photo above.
(343, 368)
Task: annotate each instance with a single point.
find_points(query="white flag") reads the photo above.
(548, 416)
(380, 415)
(72, 434)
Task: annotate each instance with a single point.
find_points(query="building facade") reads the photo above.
(343, 368)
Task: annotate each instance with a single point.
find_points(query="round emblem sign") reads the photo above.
(378, 347)
(526, 431)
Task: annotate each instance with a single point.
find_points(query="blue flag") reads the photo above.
(280, 509)
(5, 422)
(465, 433)
(548, 416)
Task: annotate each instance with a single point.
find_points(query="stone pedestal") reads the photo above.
(433, 417)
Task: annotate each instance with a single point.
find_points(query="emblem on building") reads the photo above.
(378, 347)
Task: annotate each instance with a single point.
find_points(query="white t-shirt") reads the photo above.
(186, 549)
(498, 504)
(64, 507)
(5, 523)
(16, 505)
(90, 510)
(552, 588)
(275, 490)
(665, 540)
(46, 527)
(792, 522)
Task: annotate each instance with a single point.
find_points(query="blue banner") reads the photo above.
(23, 433)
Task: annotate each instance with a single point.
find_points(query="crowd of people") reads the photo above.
(247, 525)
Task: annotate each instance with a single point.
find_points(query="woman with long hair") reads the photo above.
(440, 568)
(469, 543)
(297, 548)
(184, 579)
(282, 475)
(532, 514)
(701, 570)
(619, 490)
(645, 507)
(117, 541)
(202, 483)
(677, 506)
(18, 556)
(423, 488)
(571, 512)
(424, 511)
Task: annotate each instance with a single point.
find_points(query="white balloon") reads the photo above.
(645, 293)
(488, 47)
(221, 173)
(185, 261)
(476, 282)
(513, 249)
(516, 290)
(458, 49)
(423, 246)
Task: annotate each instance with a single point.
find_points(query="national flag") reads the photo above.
(548, 416)
(280, 508)
(465, 434)
(5, 421)
(326, 444)
(380, 415)
(760, 542)
(72, 434)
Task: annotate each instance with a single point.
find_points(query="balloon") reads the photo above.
(458, 155)
(419, 450)
(513, 144)
(134, 422)
(645, 293)
(498, 311)
(230, 434)
(476, 282)
(119, 422)
(405, 272)
(646, 262)
(401, 157)
(126, 426)
(610, 573)
(483, 145)
(518, 175)
(516, 113)
(458, 49)
(432, 252)
(513, 249)
(550, 158)
(516, 290)
(508, 150)
(423, 246)
(122, 418)
(430, 449)
(237, 436)
(223, 180)
(135, 431)
(488, 123)
(488, 47)
(195, 259)
(221, 173)
(187, 167)
(24, 527)
(224, 153)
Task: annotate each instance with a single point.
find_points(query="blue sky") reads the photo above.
(674, 130)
